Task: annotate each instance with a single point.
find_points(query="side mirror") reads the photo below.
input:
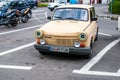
(49, 17)
(94, 19)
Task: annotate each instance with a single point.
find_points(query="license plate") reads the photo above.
(59, 49)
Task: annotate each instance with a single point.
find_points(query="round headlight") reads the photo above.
(38, 33)
(82, 36)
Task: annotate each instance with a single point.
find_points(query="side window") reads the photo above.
(92, 13)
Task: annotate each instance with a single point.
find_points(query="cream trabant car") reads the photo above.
(72, 29)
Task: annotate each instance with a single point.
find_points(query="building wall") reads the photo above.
(95, 1)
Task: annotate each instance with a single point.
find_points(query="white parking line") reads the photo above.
(85, 69)
(46, 14)
(15, 67)
(97, 73)
(118, 71)
(38, 18)
(36, 11)
(104, 34)
(16, 49)
(20, 30)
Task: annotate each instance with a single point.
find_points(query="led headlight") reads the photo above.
(82, 36)
(38, 33)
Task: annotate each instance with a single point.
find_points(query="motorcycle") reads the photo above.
(24, 15)
(8, 18)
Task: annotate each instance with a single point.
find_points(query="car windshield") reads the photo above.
(71, 14)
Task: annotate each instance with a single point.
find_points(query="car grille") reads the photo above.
(60, 41)
(65, 42)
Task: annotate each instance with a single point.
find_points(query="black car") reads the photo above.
(32, 3)
(18, 4)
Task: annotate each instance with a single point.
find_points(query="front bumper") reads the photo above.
(72, 50)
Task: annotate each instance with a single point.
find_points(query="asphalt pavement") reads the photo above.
(102, 11)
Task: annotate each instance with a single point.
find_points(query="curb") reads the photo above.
(115, 17)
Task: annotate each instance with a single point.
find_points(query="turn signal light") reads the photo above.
(37, 40)
(82, 45)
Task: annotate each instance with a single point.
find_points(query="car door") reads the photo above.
(93, 20)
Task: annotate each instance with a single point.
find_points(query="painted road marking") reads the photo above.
(85, 69)
(36, 11)
(38, 18)
(118, 71)
(16, 49)
(97, 73)
(16, 67)
(46, 14)
(104, 34)
(20, 30)
(13, 50)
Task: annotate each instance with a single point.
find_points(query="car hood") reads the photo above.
(60, 28)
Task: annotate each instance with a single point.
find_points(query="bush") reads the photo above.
(42, 5)
(115, 7)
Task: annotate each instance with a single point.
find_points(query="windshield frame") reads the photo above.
(71, 19)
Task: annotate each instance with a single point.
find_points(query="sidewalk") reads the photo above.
(102, 11)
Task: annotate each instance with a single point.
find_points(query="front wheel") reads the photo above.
(29, 15)
(25, 19)
(89, 55)
(13, 22)
(96, 37)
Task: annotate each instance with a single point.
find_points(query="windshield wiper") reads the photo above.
(70, 18)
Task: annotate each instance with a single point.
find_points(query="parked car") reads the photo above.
(73, 29)
(33, 3)
(53, 5)
(18, 4)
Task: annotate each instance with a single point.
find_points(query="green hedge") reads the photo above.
(42, 5)
(115, 7)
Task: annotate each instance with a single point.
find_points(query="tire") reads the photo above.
(25, 19)
(13, 22)
(89, 55)
(96, 37)
(29, 15)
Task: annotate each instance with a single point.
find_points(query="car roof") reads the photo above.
(76, 6)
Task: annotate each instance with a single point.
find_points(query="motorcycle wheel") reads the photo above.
(13, 22)
(29, 15)
(25, 19)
